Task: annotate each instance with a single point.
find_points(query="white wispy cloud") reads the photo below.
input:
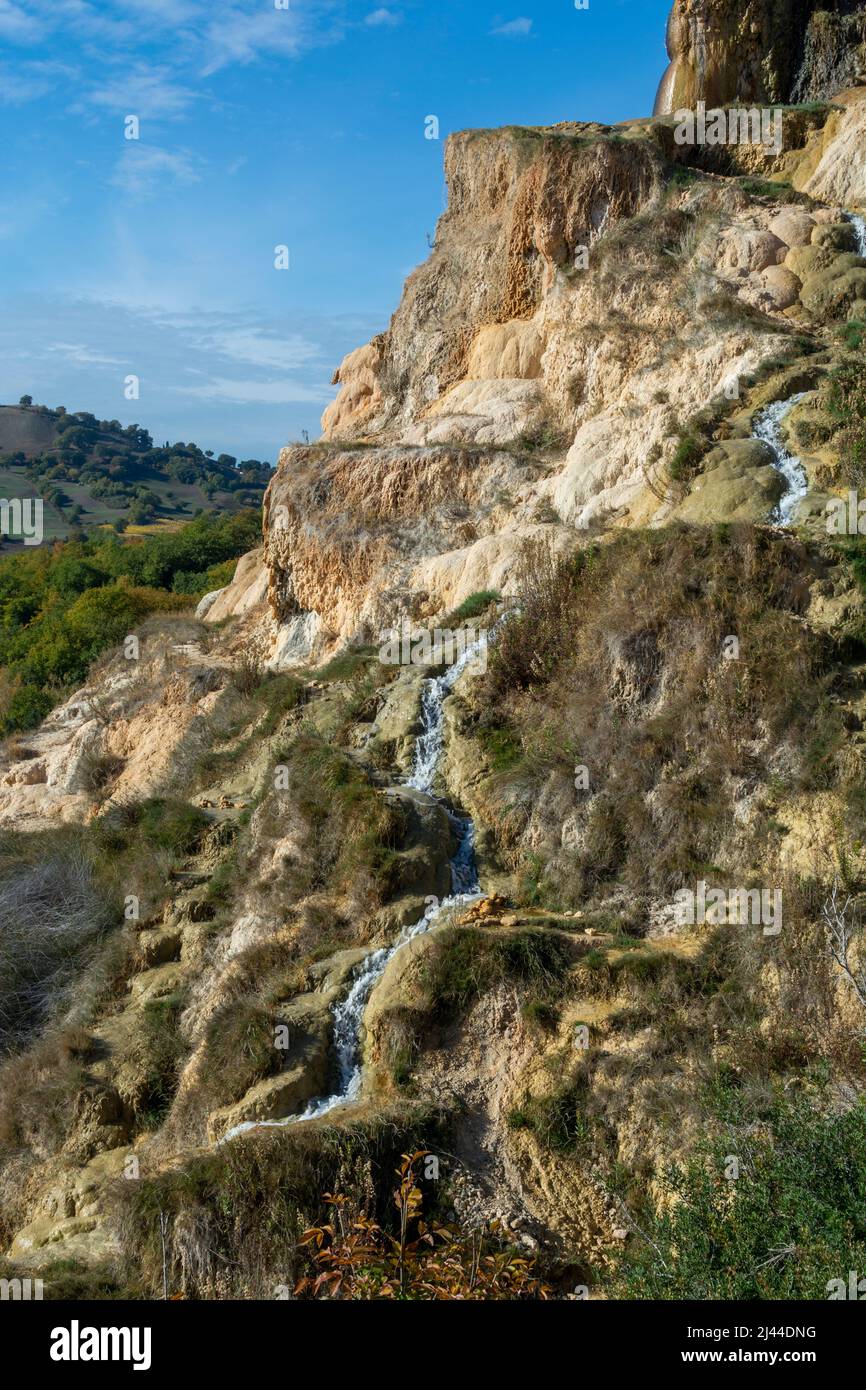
(514, 28)
(144, 170)
(243, 33)
(24, 213)
(283, 392)
(171, 12)
(382, 17)
(149, 92)
(85, 356)
(187, 40)
(30, 80)
(258, 349)
(19, 25)
(115, 23)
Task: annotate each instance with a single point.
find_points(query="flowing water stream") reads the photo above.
(767, 427)
(349, 1012)
(859, 225)
(767, 423)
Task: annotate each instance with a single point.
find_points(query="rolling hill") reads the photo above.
(92, 472)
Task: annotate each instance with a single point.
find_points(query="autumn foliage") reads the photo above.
(357, 1259)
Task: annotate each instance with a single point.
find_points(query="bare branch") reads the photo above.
(842, 927)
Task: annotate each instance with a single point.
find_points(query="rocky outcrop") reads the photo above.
(345, 529)
(791, 51)
(575, 314)
(522, 202)
(601, 318)
(247, 590)
(834, 169)
(120, 735)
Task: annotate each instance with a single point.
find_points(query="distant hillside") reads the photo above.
(26, 430)
(93, 472)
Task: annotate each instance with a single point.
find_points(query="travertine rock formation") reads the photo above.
(601, 319)
(792, 50)
(579, 308)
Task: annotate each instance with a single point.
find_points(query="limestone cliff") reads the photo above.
(785, 51)
(587, 299)
(564, 424)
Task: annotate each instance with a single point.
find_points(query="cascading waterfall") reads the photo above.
(767, 427)
(349, 1012)
(859, 225)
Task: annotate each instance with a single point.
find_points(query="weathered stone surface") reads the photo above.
(424, 865)
(247, 590)
(809, 260)
(793, 226)
(724, 51)
(737, 481)
(746, 249)
(134, 715)
(829, 293)
(158, 947)
(277, 1097)
(782, 284)
(839, 173)
(839, 236)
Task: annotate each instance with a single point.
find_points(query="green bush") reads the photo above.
(246, 1205)
(558, 1121)
(793, 1220)
(682, 176)
(161, 1049)
(501, 747)
(61, 608)
(464, 963)
(576, 678)
(239, 1051)
(686, 457)
(844, 400)
(474, 605)
(768, 188)
(162, 823)
(852, 334)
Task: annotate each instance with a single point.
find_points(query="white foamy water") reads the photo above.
(766, 427)
(349, 1012)
(859, 225)
(428, 749)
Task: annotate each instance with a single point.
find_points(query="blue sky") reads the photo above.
(259, 126)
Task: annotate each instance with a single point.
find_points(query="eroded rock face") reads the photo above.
(522, 393)
(344, 528)
(571, 317)
(575, 313)
(751, 51)
(120, 734)
(839, 172)
(521, 204)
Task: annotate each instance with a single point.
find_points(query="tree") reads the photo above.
(71, 576)
(26, 400)
(140, 513)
